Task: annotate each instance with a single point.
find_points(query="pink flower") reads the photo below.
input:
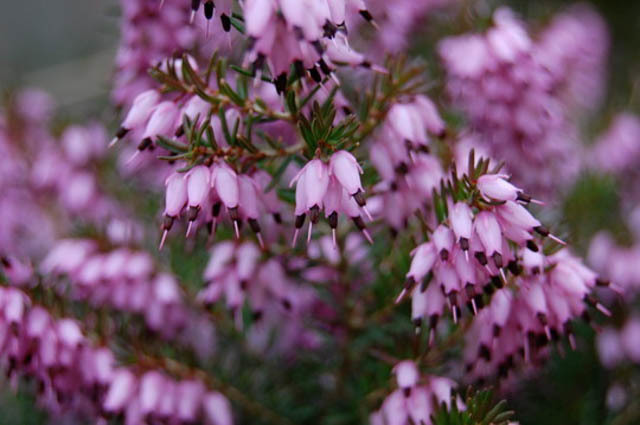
(162, 121)
(496, 187)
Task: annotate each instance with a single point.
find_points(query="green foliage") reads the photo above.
(480, 409)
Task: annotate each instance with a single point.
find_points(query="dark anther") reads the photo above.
(208, 9)
(433, 321)
(226, 22)
(314, 214)
(234, 214)
(333, 220)
(121, 132)
(300, 220)
(366, 15)
(255, 226)
(315, 75)
(417, 322)
(426, 281)
(484, 352)
(514, 267)
(215, 209)
(497, 282)
(329, 29)
(482, 259)
(444, 255)
(167, 223)
(299, 67)
(258, 63)
(195, 4)
(359, 197)
(257, 315)
(602, 282)
(402, 168)
(5, 262)
(359, 223)
(541, 230)
(324, 67)
(523, 197)
(145, 144)
(192, 213)
(365, 64)
(277, 218)
(179, 131)
(479, 301)
(281, 83)
(532, 245)
(464, 244)
(406, 391)
(488, 289)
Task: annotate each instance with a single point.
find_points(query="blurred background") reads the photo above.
(67, 47)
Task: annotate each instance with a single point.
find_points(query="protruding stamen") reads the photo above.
(236, 228)
(556, 239)
(367, 236)
(367, 213)
(189, 228)
(295, 237)
(165, 232)
(604, 310)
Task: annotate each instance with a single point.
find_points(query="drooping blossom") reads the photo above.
(334, 188)
(416, 398)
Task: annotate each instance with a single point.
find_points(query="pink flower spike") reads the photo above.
(165, 232)
(295, 237)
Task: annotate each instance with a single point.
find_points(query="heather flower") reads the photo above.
(417, 397)
(519, 93)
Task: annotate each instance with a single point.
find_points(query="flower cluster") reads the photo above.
(401, 156)
(149, 35)
(49, 179)
(416, 398)
(489, 255)
(207, 189)
(237, 273)
(334, 188)
(74, 374)
(617, 345)
(122, 279)
(517, 92)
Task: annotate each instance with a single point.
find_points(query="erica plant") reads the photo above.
(299, 221)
